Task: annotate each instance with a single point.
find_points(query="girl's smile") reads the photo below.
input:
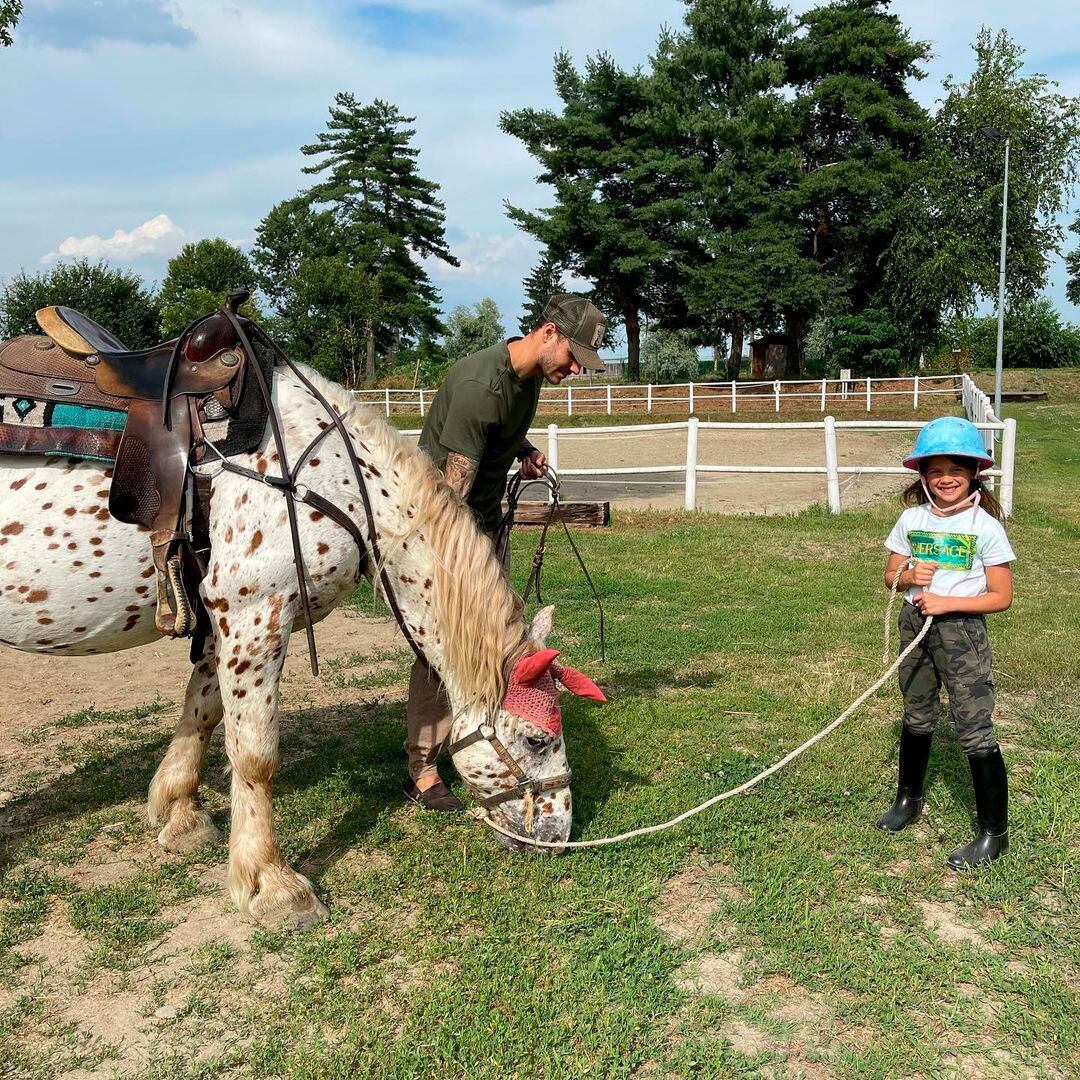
(949, 481)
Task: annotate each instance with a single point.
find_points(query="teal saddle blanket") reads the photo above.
(59, 429)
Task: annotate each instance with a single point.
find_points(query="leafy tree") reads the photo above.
(387, 216)
(868, 343)
(10, 10)
(669, 356)
(198, 279)
(1035, 336)
(470, 329)
(609, 196)
(115, 298)
(946, 255)
(1072, 265)
(861, 136)
(544, 280)
(332, 307)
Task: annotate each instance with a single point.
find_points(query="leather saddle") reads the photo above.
(166, 392)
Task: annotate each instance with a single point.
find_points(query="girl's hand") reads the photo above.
(922, 573)
(933, 603)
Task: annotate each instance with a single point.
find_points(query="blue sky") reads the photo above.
(132, 126)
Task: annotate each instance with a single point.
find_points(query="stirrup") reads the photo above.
(175, 617)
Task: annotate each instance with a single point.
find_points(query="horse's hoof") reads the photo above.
(291, 908)
(189, 833)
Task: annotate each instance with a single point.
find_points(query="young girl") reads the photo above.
(960, 574)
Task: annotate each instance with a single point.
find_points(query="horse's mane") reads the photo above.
(479, 615)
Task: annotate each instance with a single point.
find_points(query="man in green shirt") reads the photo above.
(476, 428)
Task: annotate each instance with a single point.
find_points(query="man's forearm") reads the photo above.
(460, 473)
(526, 449)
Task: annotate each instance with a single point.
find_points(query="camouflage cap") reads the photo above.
(582, 323)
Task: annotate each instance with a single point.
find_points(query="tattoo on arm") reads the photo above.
(460, 473)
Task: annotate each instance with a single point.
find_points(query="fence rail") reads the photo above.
(977, 407)
(575, 398)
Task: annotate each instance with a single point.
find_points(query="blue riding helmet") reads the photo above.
(953, 436)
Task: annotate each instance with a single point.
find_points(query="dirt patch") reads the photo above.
(721, 974)
(944, 921)
(59, 947)
(690, 899)
(794, 1005)
(747, 1040)
(41, 690)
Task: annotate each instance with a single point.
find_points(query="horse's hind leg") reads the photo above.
(251, 654)
(174, 801)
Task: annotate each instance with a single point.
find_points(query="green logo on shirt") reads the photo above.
(954, 551)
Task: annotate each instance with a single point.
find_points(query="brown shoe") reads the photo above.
(436, 797)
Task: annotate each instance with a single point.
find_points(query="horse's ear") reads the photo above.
(532, 665)
(541, 626)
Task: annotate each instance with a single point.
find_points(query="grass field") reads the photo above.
(777, 935)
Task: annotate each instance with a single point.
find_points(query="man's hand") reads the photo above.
(460, 473)
(934, 603)
(922, 573)
(533, 466)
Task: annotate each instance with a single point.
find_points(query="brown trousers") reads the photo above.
(428, 715)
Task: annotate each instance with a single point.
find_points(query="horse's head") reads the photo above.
(515, 761)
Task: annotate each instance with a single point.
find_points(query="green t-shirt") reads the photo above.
(483, 412)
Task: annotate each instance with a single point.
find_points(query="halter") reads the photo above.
(526, 785)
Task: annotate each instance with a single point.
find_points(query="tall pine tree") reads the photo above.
(717, 104)
(608, 193)
(862, 136)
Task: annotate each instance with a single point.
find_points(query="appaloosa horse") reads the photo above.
(76, 582)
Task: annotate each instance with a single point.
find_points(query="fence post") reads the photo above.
(553, 453)
(569, 400)
(832, 477)
(648, 398)
(609, 399)
(691, 402)
(733, 395)
(776, 393)
(690, 500)
(867, 393)
(915, 396)
(388, 401)
(1008, 466)
(823, 395)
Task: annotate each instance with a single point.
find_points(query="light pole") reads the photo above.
(997, 135)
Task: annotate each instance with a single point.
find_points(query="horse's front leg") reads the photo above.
(251, 652)
(174, 802)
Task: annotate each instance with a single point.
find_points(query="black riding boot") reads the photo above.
(991, 784)
(914, 754)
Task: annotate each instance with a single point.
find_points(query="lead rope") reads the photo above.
(482, 814)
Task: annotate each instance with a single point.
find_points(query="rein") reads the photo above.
(517, 486)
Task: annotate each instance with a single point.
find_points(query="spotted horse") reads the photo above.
(78, 582)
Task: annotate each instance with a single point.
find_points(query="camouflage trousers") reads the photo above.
(956, 654)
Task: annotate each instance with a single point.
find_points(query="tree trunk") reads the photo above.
(369, 372)
(716, 359)
(734, 360)
(633, 344)
(795, 328)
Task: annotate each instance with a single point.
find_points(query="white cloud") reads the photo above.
(158, 236)
(484, 255)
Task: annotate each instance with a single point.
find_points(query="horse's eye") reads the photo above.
(537, 742)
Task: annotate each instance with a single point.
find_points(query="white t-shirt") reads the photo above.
(962, 544)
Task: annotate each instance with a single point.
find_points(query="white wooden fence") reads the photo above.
(977, 406)
(576, 397)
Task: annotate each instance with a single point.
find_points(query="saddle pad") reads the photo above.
(59, 429)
